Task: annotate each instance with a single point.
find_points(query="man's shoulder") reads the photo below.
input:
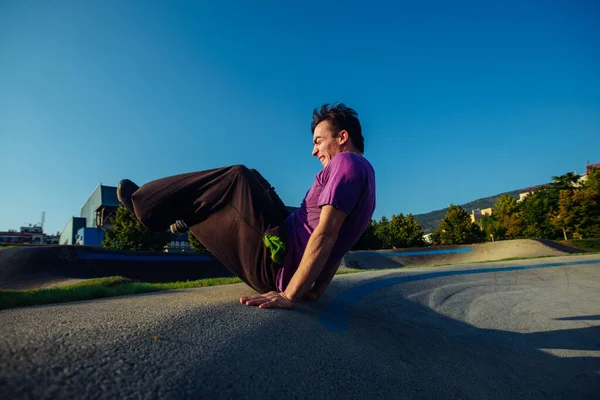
(352, 164)
(348, 167)
(352, 160)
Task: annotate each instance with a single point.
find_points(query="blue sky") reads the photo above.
(458, 100)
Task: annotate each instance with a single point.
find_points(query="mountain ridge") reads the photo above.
(431, 220)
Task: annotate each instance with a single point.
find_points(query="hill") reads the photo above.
(431, 220)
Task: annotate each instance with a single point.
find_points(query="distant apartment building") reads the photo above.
(527, 191)
(588, 169)
(32, 234)
(477, 214)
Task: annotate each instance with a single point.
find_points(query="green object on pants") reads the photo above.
(277, 247)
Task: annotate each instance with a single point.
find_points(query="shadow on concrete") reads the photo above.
(394, 348)
(581, 318)
(560, 247)
(34, 267)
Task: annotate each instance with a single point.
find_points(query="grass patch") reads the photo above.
(7, 247)
(105, 287)
(349, 271)
(97, 288)
(591, 245)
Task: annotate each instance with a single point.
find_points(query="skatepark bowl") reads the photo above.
(472, 328)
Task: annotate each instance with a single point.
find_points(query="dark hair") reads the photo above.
(341, 118)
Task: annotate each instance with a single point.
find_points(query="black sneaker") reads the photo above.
(178, 228)
(125, 190)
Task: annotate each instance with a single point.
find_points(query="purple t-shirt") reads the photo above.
(348, 183)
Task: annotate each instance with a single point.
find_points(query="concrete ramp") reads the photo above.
(436, 255)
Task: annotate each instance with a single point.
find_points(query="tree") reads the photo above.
(382, 233)
(565, 182)
(536, 211)
(593, 180)
(405, 231)
(456, 228)
(586, 213)
(563, 218)
(568, 181)
(491, 229)
(368, 240)
(195, 244)
(127, 233)
(507, 221)
(579, 213)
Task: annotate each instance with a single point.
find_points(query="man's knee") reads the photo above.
(248, 173)
(240, 169)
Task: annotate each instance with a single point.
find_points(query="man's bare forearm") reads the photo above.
(315, 256)
(322, 284)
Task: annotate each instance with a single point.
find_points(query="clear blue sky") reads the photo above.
(458, 100)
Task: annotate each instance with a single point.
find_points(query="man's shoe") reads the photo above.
(125, 190)
(179, 228)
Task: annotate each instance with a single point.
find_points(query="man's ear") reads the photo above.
(343, 136)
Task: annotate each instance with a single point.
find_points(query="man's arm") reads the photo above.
(320, 286)
(315, 256)
(317, 252)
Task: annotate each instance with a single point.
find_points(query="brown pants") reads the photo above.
(228, 210)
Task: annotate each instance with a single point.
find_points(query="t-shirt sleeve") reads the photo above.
(343, 183)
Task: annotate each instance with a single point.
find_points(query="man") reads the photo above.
(237, 216)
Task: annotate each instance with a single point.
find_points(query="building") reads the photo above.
(27, 235)
(477, 214)
(31, 234)
(588, 169)
(527, 191)
(96, 215)
(427, 238)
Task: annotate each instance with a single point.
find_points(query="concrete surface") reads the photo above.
(474, 333)
(436, 255)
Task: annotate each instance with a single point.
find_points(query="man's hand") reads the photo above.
(267, 300)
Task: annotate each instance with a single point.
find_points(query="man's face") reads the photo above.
(325, 146)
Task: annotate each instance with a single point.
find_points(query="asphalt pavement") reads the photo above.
(505, 330)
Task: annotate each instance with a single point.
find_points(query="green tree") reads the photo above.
(368, 240)
(382, 233)
(195, 244)
(127, 233)
(579, 213)
(507, 220)
(586, 213)
(565, 182)
(563, 218)
(456, 228)
(593, 180)
(405, 231)
(536, 211)
(568, 181)
(491, 228)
